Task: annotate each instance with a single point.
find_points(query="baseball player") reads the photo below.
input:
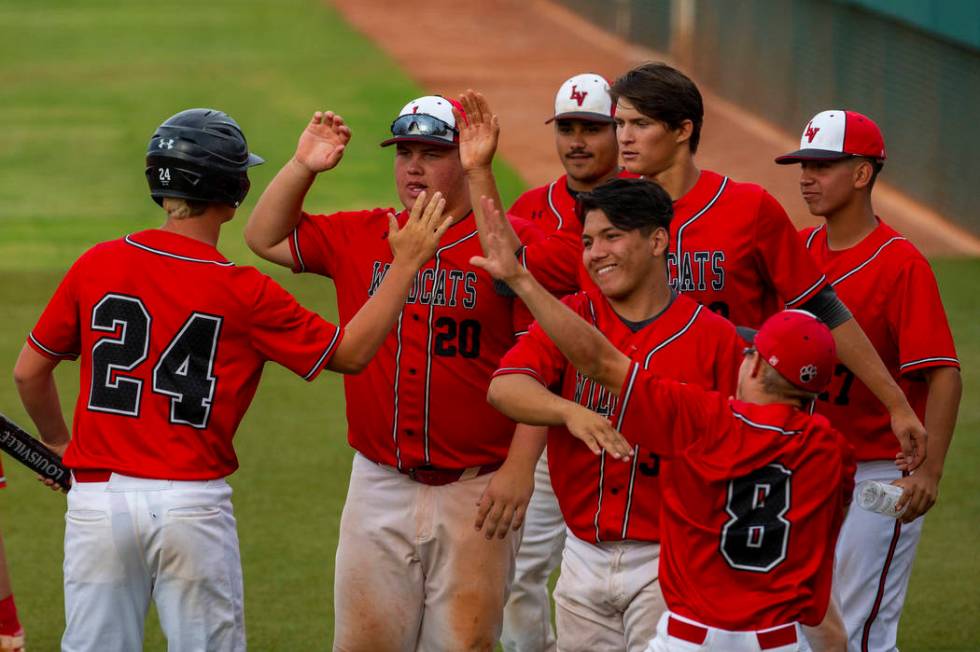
(755, 491)
(412, 571)
(11, 631)
(172, 339)
(894, 297)
(733, 247)
(607, 596)
(585, 138)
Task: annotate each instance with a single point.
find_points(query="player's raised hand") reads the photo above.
(417, 241)
(597, 433)
(322, 143)
(498, 260)
(479, 130)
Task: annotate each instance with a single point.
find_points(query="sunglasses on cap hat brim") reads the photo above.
(422, 128)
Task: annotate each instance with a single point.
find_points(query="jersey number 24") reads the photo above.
(183, 372)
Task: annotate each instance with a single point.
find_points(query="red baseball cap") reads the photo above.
(798, 346)
(836, 134)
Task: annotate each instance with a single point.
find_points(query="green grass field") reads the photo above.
(83, 88)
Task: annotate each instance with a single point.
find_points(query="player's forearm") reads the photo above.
(584, 346)
(39, 394)
(526, 447)
(857, 353)
(278, 210)
(942, 407)
(481, 183)
(366, 331)
(525, 400)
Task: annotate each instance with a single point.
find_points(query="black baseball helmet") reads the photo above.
(199, 154)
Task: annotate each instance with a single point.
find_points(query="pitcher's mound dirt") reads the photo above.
(517, 52)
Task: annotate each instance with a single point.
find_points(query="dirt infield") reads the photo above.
(518, 52)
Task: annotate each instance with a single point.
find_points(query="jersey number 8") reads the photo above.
(755, 537)
(184, 371)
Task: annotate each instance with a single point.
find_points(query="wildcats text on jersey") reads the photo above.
(593, 395)
(436, 287)
(699, 270)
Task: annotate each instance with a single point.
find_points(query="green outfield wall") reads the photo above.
(912, 65)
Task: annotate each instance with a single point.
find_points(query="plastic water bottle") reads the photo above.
(879, 497)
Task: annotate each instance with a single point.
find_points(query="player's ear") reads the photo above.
(683, 133)
(863, 173)
(659, 241)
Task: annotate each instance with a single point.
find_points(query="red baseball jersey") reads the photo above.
(555, 261)
(172, 339)
(605, 499)
(422, 399)
(733, 249)
(753, 500)
(891, 291)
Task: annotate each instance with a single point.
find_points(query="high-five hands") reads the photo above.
(479, 131)
(417, 241)
(498, 260)
(322, 143)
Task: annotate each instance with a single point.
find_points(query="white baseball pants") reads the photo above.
(873, 566)
(412, 571)
(527, 616)
(720, 640)
(608, 597)
(131, 539)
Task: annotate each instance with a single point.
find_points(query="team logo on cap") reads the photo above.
(577, 95)
(808, 373)
(811, 132)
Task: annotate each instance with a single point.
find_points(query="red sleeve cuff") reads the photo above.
(48, 352)
(299, 266)
(807, 294)
(325, 357)
(924, 363)
(521, 371)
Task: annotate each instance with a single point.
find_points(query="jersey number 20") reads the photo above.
(755, 537)
(184, 372)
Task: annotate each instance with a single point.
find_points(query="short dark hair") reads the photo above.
(663, 93)
(629, 204)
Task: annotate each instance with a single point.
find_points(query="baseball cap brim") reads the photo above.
(811, 155)
(581, 115)
(746, 333)
(432, 140)
(255, 159)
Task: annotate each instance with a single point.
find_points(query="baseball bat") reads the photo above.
(30, 452)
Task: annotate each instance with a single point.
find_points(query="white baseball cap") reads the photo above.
(584, 97)
(427, 119)
(836, 134)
